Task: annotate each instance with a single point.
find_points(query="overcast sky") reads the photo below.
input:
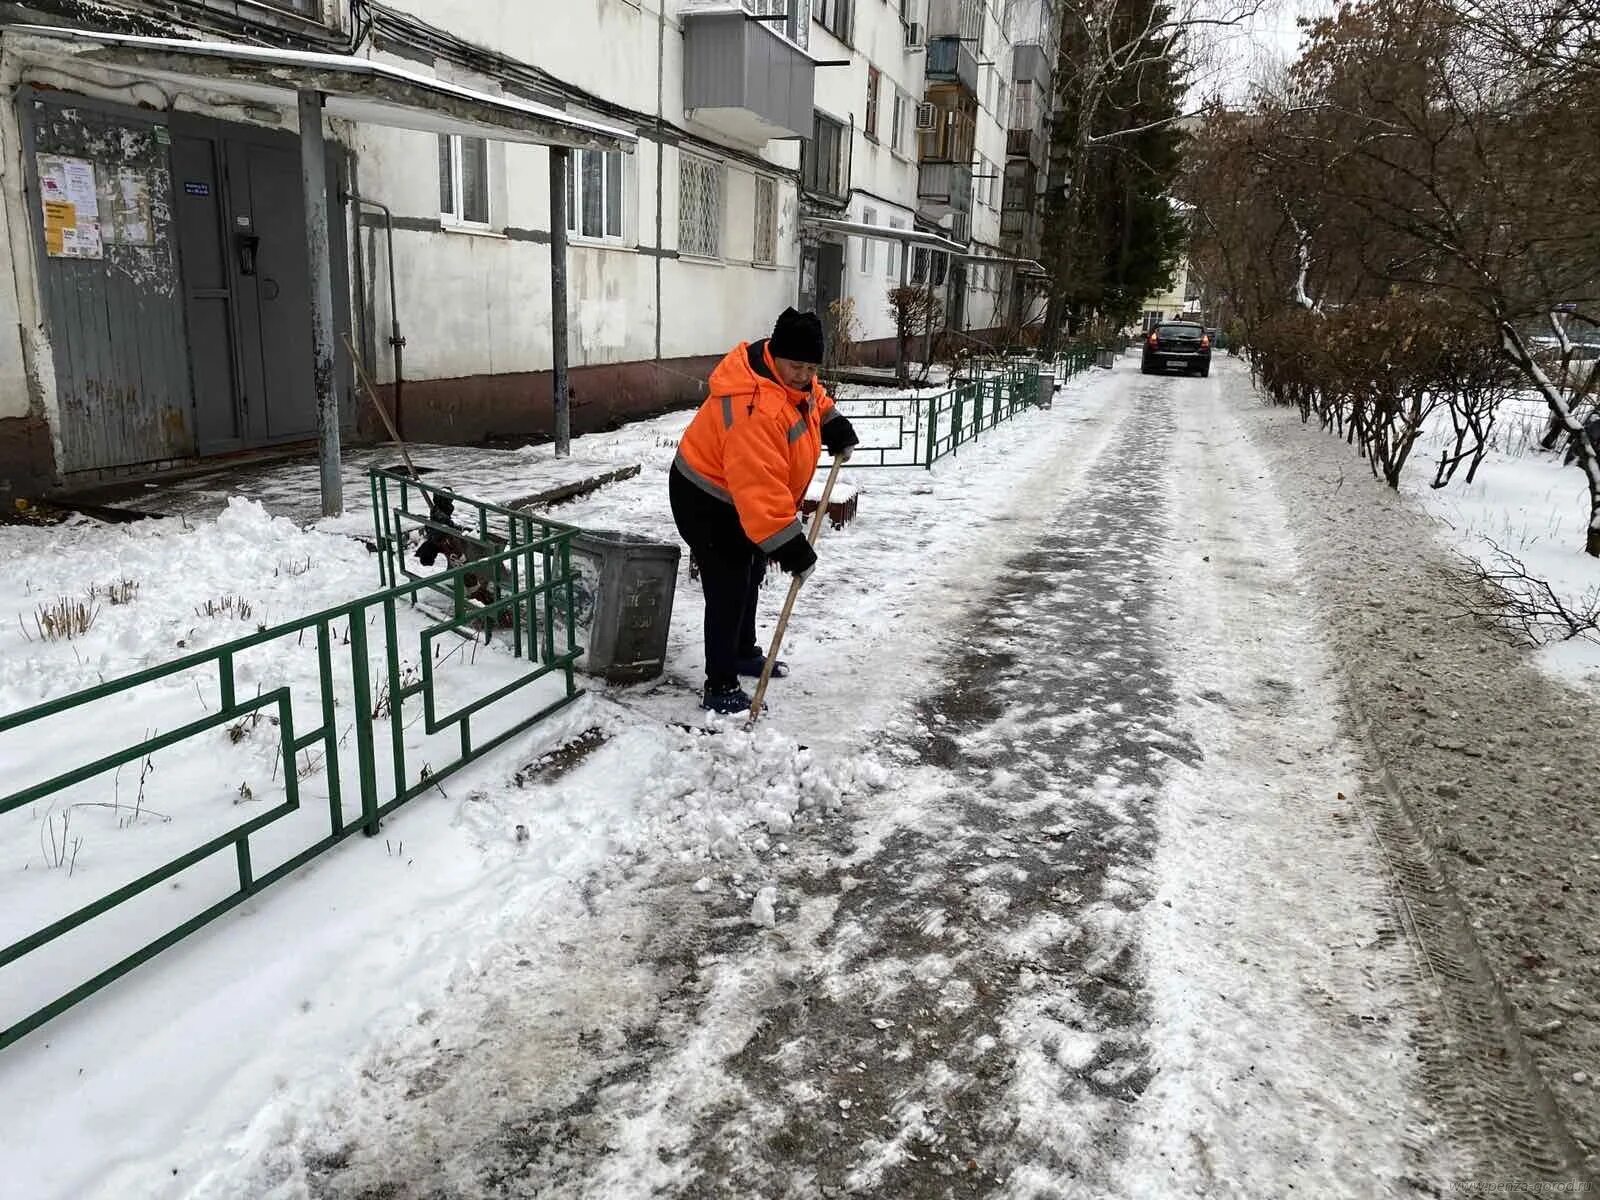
(1245, 53)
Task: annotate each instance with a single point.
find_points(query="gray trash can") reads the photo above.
(1045, 382)
(1105, 357)
(622, 603)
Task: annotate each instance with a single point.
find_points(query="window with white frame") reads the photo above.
(897, 131)
(874, 90)
(699, 207)
(895, 250)
(595, 195)
(869, 247)
(463, 180)
(766, 243)
(1000, 110)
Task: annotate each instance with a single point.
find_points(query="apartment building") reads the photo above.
(176, 290)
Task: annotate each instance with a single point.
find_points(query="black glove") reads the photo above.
(796, 557)
(839, 436)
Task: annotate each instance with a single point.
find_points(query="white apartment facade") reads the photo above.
(161, 320)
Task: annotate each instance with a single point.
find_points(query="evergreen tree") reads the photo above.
(1111, 235)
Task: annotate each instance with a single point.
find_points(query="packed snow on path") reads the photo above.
(262, 1014)
(1106, 927)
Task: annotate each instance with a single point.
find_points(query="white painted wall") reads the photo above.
(14, 398)
(476, 303)
(883, 180)
(984, 282)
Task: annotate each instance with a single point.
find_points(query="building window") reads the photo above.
(699, 207)
(895, 249)
(766, 251)
(594, 194)
(822, 162)
(463, 180)
(897, 132)
(874, 86)
(1022, 105)
(1000, 112)
(869, 248)
(834, 16)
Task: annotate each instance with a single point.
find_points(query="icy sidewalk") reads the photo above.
(1102, 934)
(279, 1009)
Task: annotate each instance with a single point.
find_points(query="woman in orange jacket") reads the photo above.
(742, 469)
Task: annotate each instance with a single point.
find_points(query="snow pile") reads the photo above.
(278, 570)
(723, 795)
(1525, 503)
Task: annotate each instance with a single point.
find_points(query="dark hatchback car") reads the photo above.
(1177, 344)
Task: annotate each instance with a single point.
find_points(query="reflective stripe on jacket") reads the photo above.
(755, 444)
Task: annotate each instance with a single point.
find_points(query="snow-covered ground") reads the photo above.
(1523, 502)
(260, 1013)
(1045, 874)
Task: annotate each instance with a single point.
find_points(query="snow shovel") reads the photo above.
(794, 592)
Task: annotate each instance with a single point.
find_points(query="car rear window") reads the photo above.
(1193, 331)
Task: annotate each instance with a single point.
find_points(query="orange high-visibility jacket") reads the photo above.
(755, 444)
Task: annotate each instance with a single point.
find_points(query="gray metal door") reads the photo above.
(274, 288)
(830, 275)
(110, 294)
(199, 191)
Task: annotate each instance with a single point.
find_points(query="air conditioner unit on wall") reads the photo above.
(916, 36)
(927, 118)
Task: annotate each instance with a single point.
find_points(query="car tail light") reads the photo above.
(1205, 341)
(1155, 339)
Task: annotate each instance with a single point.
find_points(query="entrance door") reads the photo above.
(830, 276)
(247, 287)
(208, 292)
(268, 230)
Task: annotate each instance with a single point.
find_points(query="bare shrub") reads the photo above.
(225, 606)
(1508, 596)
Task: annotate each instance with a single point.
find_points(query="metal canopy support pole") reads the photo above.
(314, 180)
(927, 329)
(902, 325)
(559, 156)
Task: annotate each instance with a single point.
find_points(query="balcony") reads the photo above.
(743, 79)
(944, 188)
(951, 60)
(1029, 61)
(1029, 144)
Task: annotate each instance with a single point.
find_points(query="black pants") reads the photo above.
(731, 569)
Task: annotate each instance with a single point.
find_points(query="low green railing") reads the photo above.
(508, 571)
(928, 428)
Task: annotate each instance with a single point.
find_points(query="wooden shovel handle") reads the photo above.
(794, 592)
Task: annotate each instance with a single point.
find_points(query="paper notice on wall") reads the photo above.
(125, 208)
(59, 216)
(71, 207)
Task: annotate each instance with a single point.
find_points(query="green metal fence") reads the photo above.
(917, 431)
(329, 690)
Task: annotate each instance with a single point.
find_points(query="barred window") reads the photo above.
(699, 207)
(766, 251)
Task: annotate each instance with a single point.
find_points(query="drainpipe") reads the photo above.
(314, 183)
(396, 342)
(661, 150)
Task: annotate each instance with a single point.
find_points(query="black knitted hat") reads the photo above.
(797, 336)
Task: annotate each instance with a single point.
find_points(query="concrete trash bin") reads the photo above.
(622, 603)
